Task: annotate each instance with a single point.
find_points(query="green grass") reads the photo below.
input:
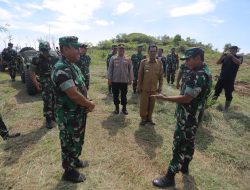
(123, 155)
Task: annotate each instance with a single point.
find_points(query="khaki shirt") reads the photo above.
(120, 70)
(150, 76)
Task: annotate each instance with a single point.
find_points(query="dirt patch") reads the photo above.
(243, 88)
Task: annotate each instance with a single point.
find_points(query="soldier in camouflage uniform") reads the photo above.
(136, 60)
(182, 75)
(10, 55)
(114, 52)
(84, 63)
(172, 65)
(4, 133)
(41, 66)
(162, 59)
(189, 102)
(72, 107)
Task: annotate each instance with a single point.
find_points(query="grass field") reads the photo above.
(123, 155)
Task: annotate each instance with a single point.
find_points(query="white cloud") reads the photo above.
(77, 10)
(123, 8)
(103, 22)
(198, 8)
(214, 20)
(5, 15)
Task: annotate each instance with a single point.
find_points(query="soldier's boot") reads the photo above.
(49, 124)
(184, 168)
(4, 133)
(124, 110)
(165, 181)
(82, 164)
(227, 105)
(117, 109)
(73, 175)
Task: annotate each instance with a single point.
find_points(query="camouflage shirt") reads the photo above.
(197, 85)
(184, 70)
(9, 55)
(64, 76)
(42, 66)
(83, 64)
(172, 62)
(136, 60)
(108, 59)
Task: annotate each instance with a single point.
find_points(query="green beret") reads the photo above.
(69, 41)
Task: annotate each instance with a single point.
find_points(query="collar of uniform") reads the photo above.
(149, 61)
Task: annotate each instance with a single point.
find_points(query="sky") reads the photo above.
(208, 21)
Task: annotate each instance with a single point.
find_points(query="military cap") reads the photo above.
(70, 41)
(234, 47)
(121, 46)
(10, 44)
(172, 48)
(192, 52)
(84, 45)
(114, 46)
(44, 46)
(140, 45)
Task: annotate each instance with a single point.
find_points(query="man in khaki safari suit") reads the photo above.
(150, 79)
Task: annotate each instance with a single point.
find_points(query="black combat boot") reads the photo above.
(124, 110)
(82, 164)
(227, 105)
(117, 109)
(73, 175)
(4, 133)
(184, 168)
(165, 181)
(49, 123)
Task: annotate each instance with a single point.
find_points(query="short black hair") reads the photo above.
(152, 45)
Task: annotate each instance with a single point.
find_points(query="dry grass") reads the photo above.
(122, 155)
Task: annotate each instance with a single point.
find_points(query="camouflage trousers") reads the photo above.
(3, 129)
(72, 132)
(183, 144)
(12, 70)
(170, 76)
(134, 84)
(48, 97)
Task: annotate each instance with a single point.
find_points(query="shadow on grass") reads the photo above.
(114, 123)
(189, 182)
(148, 140)
(22, 95)
(240, 118)
(203, 138)
(64, 185)
(17, 146)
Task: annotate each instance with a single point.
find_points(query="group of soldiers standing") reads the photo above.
(64, 82)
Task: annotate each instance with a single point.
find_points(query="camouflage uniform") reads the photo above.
(70, 117)
(198, 85)
(184, 70)
(172, 66)
(83, 64)
(136, 60)
(42, 67)
(164, 64)
(10, 55)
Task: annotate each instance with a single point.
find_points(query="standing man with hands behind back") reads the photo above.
(72, 107)
(120, 75)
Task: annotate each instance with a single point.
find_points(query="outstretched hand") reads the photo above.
(158, 96)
